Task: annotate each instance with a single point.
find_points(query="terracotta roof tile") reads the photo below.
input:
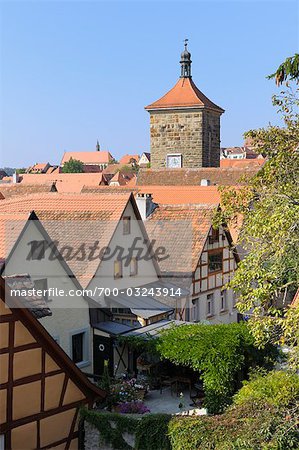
(20, 189)
(241, 163)
(69, 219)
(193, 177)
(184, 94)
(101, 157)
(126, 159)
(182, 231)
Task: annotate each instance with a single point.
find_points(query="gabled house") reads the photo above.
(41, 389)
(145, 159)
(39, 168)
(98, 158)
(101, 255)
(69, 322)
(131, 160)
(198, 257)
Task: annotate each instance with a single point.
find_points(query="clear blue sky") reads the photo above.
(73, 72)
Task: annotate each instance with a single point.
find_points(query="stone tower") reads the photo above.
(184, 125)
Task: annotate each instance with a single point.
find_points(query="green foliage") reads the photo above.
(105, 382)
(264, 416)
(142, 343)
(288, 70)
(243, 427)
(20, 171)
(276, 388)
(152, 433)
(222, 354)
(150, 430)
(72, 166)
(111, 434)
(268, 276)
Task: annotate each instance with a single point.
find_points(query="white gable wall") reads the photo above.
(146, 269)
(69, 314)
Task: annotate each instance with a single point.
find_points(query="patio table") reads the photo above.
(177, 381)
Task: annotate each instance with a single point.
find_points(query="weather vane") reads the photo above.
(186, 43)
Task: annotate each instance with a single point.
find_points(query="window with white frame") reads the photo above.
(80, 347)
(118, 269)
(210, 305)
(223, 300)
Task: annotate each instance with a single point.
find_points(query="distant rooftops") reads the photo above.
(97, 157)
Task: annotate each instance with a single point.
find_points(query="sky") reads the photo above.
(73, 72)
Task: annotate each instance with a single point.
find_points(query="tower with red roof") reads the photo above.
(184, 125)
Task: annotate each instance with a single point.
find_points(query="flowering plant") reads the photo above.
(135, 407)
(126, 390)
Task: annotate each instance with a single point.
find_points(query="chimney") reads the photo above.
(205, 182)
(145, 205)
(15, 178)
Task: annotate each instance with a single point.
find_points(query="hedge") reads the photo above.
(151, 430)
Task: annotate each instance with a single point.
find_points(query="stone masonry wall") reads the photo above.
(193, 133)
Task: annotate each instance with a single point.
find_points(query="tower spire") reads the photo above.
(185, 62)
(98, 146)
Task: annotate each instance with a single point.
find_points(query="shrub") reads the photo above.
(152, 433)
(276, 388)
(242, 427)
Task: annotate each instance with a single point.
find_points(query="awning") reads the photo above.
(112, 328)
(155, 328)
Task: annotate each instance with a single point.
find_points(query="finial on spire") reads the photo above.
(186, 62)
(98, 146)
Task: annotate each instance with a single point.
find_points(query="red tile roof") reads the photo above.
(118, 178)
(64, 182)
(182, 195)
(19, 189)
(241, 163)
(193, 177)
(126, 159)
(182, 231)
(101, 157)
(184, 94)
(69, 219)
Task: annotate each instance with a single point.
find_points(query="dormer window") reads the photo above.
(127, 225)
(214, 236)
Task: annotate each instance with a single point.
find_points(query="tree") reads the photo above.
(221, 354)
(268, 275)
(288, 70)
(73, 166)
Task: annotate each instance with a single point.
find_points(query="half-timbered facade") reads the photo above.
(198, 257)
(41, 389)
